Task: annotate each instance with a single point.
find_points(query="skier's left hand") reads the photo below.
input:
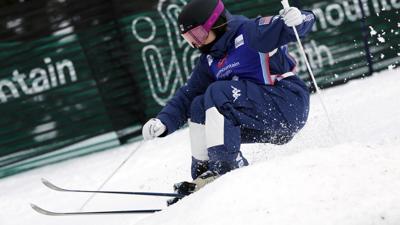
(152, 129)
(292, 16)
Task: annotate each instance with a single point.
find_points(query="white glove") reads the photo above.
(152, 129)
(292, 16)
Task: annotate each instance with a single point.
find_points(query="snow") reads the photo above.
(350, 179)
(381, 39)
(373, 31)
(313, 187)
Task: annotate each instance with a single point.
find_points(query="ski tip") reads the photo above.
(44, 181)
(50, 185)
(35, 207)
(40, 210)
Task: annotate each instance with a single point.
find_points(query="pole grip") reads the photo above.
(285, 4)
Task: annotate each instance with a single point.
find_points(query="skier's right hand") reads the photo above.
(152, 129)
(292, 16)
(186, 188)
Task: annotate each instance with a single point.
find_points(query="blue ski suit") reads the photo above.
(245, 91)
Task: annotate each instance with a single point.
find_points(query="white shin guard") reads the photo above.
(198, 141)
(214, 128)
(206, 136)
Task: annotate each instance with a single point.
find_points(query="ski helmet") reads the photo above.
(198, 18)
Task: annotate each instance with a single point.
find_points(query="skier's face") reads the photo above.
(211, 37)
(209, 43)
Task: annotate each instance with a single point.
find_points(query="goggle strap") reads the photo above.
(214, 16)
(216, 27)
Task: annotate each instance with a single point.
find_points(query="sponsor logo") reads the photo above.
(37, 80)
(240, 161)
(239, 41)
(210, 60)
(221, 62)
(236, 93)
(227, 70)
(308, 18)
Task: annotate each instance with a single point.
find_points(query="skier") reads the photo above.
(244, 88)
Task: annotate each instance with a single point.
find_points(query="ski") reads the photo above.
(50, 213)
(56, 188)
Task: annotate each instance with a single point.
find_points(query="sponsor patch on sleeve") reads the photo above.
(265, 20)
(309, 17)
(239, 41)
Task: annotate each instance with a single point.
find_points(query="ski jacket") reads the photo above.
(252, 50)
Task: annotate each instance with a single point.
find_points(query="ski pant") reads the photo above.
(233, 112)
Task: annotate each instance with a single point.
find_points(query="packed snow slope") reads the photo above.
(347, 173)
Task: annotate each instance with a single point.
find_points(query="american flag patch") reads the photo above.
(265, 20)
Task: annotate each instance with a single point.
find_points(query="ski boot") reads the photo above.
(187, 188)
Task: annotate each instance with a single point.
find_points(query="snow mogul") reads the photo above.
(244, 88)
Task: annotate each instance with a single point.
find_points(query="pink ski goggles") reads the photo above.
(198, 35)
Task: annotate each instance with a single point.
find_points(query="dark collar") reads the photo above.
(222, 46)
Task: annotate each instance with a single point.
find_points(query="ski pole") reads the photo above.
(112, 174)
(286, 5)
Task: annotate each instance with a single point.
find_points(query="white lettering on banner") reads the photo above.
(152, 26)
(40, 79)
(395, 4)
(318, 55)
(165, 69)
(335, 14)
(340, 18)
